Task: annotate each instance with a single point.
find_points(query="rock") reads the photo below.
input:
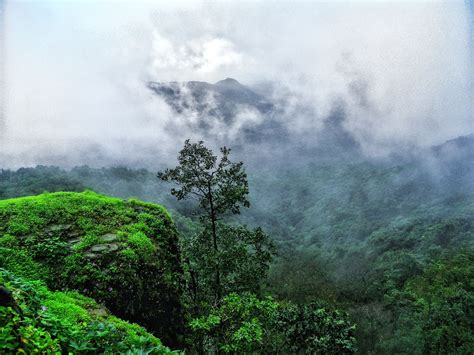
(58, 227)
(100, 247)
(73, 234)
(113, 247)
(109, 237)
(74, 241)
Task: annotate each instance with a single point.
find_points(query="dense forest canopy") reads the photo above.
(358, 235)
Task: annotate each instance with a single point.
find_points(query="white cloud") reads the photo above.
(201, 56)
(77, 70)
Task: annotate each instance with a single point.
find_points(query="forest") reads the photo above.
(341, 257)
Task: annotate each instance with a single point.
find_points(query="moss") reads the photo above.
(65, 322)
(129, 254)
(87, 242)
(64, 306)
(8, 241)
(21, 263)
(142, 244)
(123, 254)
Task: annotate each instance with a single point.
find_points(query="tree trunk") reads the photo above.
(214, 239)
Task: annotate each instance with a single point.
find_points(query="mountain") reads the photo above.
(244, 116)
(453, 162)
(220, 101)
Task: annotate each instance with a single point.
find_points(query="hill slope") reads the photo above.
(38, 320)
(123, 254)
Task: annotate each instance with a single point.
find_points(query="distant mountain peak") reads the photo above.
(229, 82)
(229, 106)
(229, 97)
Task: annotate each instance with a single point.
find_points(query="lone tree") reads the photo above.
(221, 187)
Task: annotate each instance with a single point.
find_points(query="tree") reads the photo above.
(243, 324)
(244, 258)
(314, 328)
(435, 310)
(248, 325)
(220, 187)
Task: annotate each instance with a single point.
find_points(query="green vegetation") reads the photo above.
(241, 324)
(436, 309)
(47, 322)
(385, 246)
(220, 258)
(227, 266)
(34, 181)
(220, 188)
(123, 254)
(246, 324)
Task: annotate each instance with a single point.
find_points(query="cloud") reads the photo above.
(203, 55)
(76, 71)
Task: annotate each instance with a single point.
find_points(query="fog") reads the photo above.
(75, 73)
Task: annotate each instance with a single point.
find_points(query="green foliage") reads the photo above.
(65, 322)
(20, 262)
(347, 201)
(219, 186)
(123, 254)
(401, 252)
(435, 309)
(142, 244)
(301, 276)
(33, 181)
(239, 325)
(246, 324)
(244, 257)
(349, 232)
(313, 328)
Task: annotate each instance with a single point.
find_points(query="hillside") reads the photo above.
(357, 234)
(123, 254)
(45, 321)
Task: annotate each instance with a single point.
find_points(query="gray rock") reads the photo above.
(58, 227)
(73, 234)
(109, 237)
(100, 247)
(113, 247)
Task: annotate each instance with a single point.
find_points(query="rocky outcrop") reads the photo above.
(123, 254)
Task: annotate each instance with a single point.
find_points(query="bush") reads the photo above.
(240, 324)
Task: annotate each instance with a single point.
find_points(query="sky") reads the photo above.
(75, 72)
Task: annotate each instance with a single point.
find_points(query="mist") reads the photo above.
(76, 73)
